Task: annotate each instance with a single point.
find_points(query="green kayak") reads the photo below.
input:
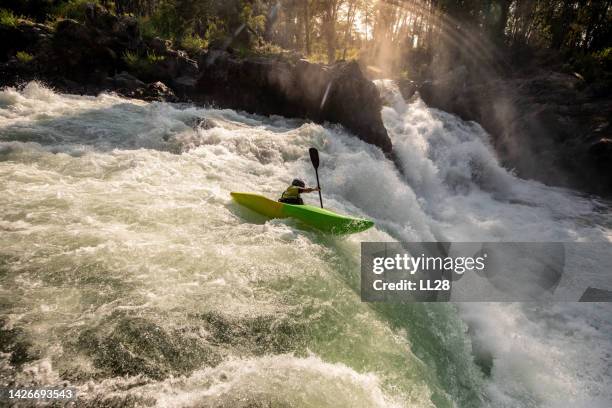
(319, 218)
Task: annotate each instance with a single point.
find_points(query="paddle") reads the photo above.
(314, 158)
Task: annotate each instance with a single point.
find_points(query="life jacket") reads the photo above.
(291, 193)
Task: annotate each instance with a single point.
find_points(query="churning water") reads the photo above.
(127, 272)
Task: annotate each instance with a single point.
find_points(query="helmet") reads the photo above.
(298, 182)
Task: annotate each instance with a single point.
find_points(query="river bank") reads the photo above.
(108, 53)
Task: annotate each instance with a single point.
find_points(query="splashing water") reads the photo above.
(128, 272)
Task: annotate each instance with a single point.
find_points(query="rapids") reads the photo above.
(127, 272)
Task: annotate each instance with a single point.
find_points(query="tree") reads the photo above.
(329, 18)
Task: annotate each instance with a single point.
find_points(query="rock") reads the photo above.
(600, 153)
(185, 66)
(602, 150)
(339, 94)
(172, 64)
(159, 46)
(100, 44)
(184, 86)
(127, 81)
(157, 91)
(78, 50)
(542, 124)
(90, 54)
(354, 102)
(596, 295)
(98, 17)
(204, 123)
(26, 37)
(407, 88)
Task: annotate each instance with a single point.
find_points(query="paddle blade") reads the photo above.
(314, 157)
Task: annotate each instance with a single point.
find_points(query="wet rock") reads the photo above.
(600, 153)
(154, 91)
(203, 123)
(354, 102)
(184, 86)
(167, 67)
(407, 88)
(158, 91)
(339, 93)
(596, 295)
(126, 81)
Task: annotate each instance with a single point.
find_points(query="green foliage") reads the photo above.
(73, 9)
(215, 31)
(193, 43)
(7, 18)
(380, 33)
(147, 28)
(604, 58)
(254, 22)
(268, 49)
(592, 66)
(166, 22)
(24, 57)
(142, 66)
(132, 59)
(153, 58)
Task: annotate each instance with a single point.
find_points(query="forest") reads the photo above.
(396, 37)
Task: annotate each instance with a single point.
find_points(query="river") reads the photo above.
(127, 271)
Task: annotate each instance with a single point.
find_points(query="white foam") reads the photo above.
(94, 185)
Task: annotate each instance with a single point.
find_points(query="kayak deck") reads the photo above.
(320, 218)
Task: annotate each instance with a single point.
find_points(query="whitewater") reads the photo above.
(127, 271)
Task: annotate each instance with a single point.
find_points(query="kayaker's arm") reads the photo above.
(308, 190)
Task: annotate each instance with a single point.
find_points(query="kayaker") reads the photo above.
(292, 194)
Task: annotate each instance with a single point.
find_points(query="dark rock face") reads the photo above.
(355, 102)
(338, 94)
(130, 86)
(126, 81)
(94, 49)
(24, 37)
(548, 126)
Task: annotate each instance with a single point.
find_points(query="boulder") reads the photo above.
(339, 93)
(158, 91)
(204, 123)
(407, 88)
(159, 45)
(26, 37)
(98, 44)
(600, 153)
(126, 81)
(155, 91)
(184, 85)
(355, 102)
(79, 50)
